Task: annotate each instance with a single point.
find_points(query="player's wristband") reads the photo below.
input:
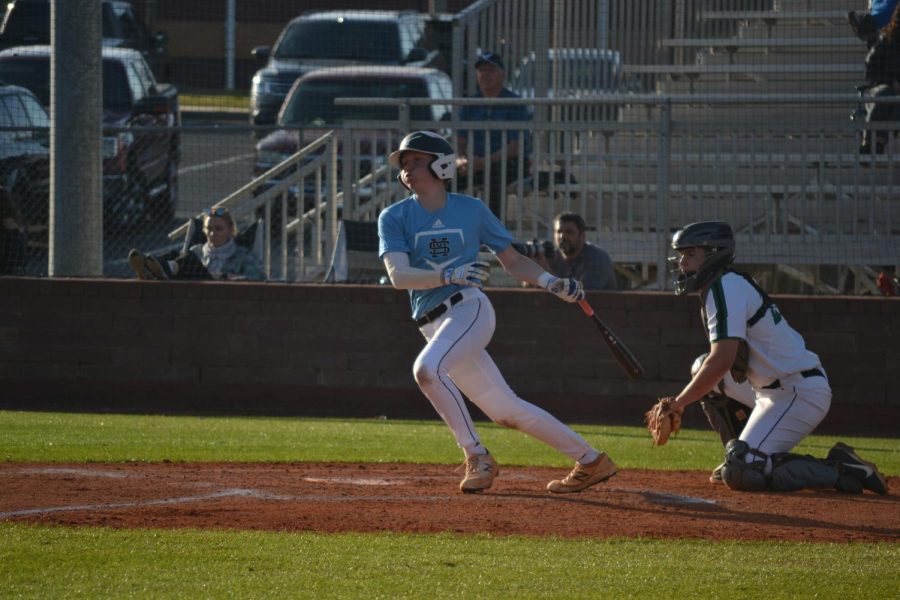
(545, 280)
(446, 274)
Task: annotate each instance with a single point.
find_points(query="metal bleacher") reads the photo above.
(759, 134)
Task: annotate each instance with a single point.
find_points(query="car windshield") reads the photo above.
(30, 21)
(313, 102)
(34, 73)
(366, 41)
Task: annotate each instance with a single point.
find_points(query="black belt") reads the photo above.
(806, 374)
(438, 310)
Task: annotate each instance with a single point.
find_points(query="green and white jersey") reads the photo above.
(776, 349)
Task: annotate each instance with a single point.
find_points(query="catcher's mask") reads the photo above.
(444, 164)
(718, 240)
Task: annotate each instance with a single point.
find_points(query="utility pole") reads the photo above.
(76, 91)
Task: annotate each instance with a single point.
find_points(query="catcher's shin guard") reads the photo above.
(738, 474)
(726, 416)
(792, 472)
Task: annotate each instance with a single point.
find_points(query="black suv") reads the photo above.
(27, 22)
(141, 147)
(331, 39)
(25, 156)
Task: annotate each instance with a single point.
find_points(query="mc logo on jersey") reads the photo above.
(439, 247)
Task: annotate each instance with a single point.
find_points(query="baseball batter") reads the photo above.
(792, 394)
(429, 243)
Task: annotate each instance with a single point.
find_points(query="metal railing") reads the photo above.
(298, 202)
(801, 197)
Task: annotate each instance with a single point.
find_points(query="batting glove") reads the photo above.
(566, 289)
(472, 274)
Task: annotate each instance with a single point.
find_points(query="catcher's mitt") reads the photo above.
(663, 420)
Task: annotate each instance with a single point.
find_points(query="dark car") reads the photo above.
(309, 109)
(27, 22)
(140, 166)
(24, 156)
(330, 39)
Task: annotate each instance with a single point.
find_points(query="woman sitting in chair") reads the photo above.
(220, 257)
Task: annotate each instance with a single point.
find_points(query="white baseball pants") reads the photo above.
(455, 360)
(785, 415)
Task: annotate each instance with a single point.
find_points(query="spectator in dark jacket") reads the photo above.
(883, 80)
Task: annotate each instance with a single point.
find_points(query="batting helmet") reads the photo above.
(718, 238)
(444, 164)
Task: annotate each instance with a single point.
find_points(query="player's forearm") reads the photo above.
(709, 375)
(521, 267)
(405, 277)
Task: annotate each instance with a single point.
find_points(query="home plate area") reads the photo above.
(425, 499)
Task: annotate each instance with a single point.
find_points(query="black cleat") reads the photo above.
(716, 475)
(862, 470)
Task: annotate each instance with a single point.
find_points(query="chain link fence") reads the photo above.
(195, 115)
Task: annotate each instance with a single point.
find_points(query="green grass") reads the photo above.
(52, 562)
(65, 437)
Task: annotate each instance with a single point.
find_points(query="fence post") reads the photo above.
(349, 159)
(603, 24)
(458, 58)
(331, 212)
(75, 216)
(679, 30)
(542, 59)
(662, 190)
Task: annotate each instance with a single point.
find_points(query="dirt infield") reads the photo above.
(424, 499)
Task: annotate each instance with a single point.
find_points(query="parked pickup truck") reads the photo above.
(140, 166)
(319, 39)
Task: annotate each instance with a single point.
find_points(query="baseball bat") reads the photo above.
(620, 351)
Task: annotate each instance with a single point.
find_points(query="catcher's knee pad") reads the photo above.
(738, 474)
(726, 416)
(792, 472)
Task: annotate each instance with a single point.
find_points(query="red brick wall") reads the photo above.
(131, 346)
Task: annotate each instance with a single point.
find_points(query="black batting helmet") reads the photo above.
(718, 238)
(444, 164)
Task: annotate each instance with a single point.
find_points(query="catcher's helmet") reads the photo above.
(715, 236)
(444, 164)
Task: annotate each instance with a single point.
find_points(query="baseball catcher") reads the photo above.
(789, 384)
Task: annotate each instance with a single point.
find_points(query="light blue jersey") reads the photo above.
(449, 237)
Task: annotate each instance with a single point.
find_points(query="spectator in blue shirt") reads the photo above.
(866, 25)
(487, 150)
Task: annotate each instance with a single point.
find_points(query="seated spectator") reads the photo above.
(490, 74)
(577, 258)
(221, 257)
(866, 25)
(12, 236)
(882, 80)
